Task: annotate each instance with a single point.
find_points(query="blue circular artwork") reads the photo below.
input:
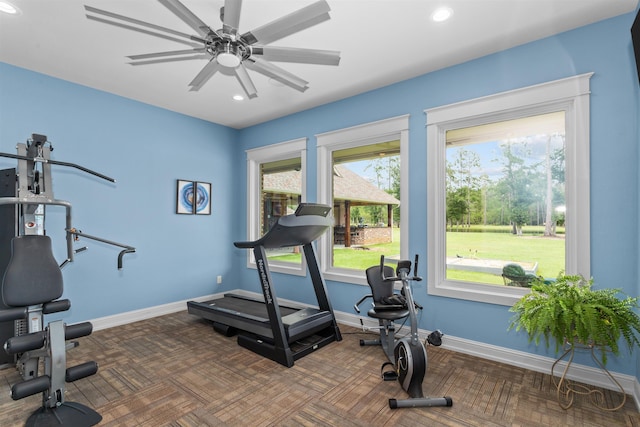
(201, 197)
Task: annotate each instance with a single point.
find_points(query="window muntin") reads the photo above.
(570, 96)
(505, 199)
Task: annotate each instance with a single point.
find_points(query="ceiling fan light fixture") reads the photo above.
(227, 59)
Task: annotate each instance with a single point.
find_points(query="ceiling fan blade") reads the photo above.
(204, 75)
(170, 59)
(187, 16)
(245, 81)
(263, 67)
(294, 54)
(142, 30)
(231, 19)
(164, 54)
(289, 24)
(140, 23)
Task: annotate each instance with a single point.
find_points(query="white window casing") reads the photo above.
(256, 157)
(396, 128)
(570, 95)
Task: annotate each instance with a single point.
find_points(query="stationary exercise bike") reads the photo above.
(407, 356)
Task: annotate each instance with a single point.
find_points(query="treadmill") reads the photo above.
(280, 333)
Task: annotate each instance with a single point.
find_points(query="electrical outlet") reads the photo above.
(219, 280)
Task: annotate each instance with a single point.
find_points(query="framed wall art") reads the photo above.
(193, 197)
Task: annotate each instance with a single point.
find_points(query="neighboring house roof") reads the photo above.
(282, 182)
(347, 185)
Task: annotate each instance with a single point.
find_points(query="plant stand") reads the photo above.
(566, 389)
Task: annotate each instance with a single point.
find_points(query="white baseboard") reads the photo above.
(145, 313)
(582, 373)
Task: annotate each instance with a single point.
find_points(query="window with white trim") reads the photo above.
(519, 159)
(276, 185)
(359, 175)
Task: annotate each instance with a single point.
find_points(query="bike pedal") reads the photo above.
(390, 376)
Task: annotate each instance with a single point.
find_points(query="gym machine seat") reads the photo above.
(31, 287)
(388, 307)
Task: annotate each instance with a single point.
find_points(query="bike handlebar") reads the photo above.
(402, 271)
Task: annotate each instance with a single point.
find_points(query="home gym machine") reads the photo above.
(32, 285)
(407, 356)
(282, 334)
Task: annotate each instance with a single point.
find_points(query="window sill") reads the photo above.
(493, 294)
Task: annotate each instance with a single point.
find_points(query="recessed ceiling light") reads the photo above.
(7, 7)
(238, 97)
(441, 14)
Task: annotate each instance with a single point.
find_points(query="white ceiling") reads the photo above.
(381, 42)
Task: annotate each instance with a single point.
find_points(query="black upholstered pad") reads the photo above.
(383, 289)
(379, 288)
(388, 314)
(33, 275)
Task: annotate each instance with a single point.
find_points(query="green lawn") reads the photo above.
(548, 252)
(357, 259)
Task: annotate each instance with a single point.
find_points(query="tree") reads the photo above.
(456, 207)
(518, 180)
(463, 182)
(387, 172)
(375, 213)
(549, 230)
(387, 177)
(356, 215)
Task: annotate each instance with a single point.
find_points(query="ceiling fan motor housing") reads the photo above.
(227, 52)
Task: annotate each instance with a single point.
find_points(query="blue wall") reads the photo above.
(603, 48)
(146, 149)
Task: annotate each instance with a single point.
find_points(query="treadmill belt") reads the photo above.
(252, 308)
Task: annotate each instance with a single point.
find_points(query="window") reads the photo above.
(359, 175)
(508, 183)
(276, 185)
(505, 200)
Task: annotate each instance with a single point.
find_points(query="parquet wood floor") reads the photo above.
(174, 370)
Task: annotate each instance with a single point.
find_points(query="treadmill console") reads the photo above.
(312, 209)
(303, 227)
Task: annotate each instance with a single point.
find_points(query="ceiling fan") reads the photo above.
(226, 47)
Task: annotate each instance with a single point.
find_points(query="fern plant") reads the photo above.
(570, 311)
